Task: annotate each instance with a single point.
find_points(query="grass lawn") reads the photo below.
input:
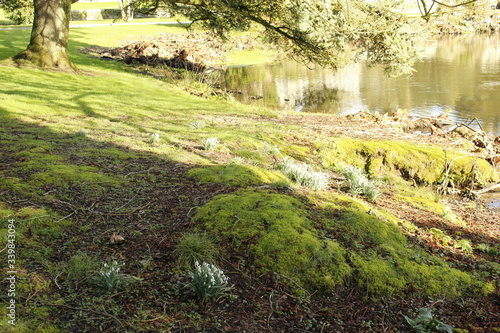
(109, 152)
(95, 5)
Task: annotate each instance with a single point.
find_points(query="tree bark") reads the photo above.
(127, 10)
(48, 47)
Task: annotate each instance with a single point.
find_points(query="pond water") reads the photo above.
(492, 199)
(459, 73)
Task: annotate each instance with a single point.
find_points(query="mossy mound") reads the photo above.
(386, 264)
(279, 235)
(236, 175)
(344, 242)
(424, 165)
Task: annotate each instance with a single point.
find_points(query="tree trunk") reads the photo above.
(48, 47)
(127, 10)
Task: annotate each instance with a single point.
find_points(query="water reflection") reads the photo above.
(458, 73)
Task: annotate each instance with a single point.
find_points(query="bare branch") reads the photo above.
(453, 6)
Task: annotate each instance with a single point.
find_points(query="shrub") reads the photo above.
(19, 11)
(304, 175)
(208, 281)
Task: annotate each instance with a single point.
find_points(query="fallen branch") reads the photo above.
(487, 189)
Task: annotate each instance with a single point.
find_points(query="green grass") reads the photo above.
(94, 5)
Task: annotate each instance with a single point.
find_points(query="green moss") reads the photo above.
(109, 153)
(63, 174)
(281, 237)
(488, 288)
(236, 175)
(41, 225)
(383, 261)
(40, 166)
(5, 211)
(16, 185)
(436, 279)
(369, 229)
(31, 319)
(298, 152)
(425, 165)
(424, 199)
(277, 231)
(32, 212)
(377, 276)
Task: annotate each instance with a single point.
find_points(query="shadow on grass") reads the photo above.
(12, 42)
(71, 173)
(102, 188)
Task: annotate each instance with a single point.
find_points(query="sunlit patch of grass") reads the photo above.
(425, 199)
(94, 5)
(108, 108)
(115, 34)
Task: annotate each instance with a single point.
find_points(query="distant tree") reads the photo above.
(19, 11)
(127, 8)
